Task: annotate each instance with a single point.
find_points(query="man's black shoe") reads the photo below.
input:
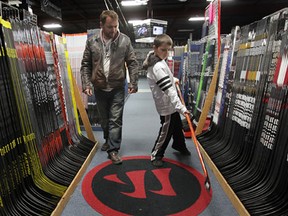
(105, 147)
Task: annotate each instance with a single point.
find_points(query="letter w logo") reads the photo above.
(137, 178)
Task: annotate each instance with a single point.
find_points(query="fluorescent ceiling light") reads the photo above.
(11, 2)
(147, 21)
(185, 30)
(216, 0)
(134, 3)
(135, 22)
(197, 18)
(52, 25)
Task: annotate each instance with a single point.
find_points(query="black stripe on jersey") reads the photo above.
(164, 83)
(163, 89)
(161, 80)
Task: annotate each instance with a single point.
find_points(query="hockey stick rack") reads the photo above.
(33, 188)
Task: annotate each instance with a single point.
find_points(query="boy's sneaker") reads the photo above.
(183, 151)
(114, 157)
(105, 147)
(157, 162)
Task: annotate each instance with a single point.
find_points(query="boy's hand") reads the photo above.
(176, 81)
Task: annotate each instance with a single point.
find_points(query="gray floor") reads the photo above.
(141, 125)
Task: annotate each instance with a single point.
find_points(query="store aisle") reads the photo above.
(141, 125)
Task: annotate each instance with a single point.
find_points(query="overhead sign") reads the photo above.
(146, 30)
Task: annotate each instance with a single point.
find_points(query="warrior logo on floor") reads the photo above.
(138, 188)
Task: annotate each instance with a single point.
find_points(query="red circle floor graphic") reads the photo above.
(136, 187)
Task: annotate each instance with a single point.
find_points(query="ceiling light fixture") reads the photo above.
(52, 25)
(134, 3)
(197, 19)
(11, 2)
(185, 30)
(216, 0)
(135, 22)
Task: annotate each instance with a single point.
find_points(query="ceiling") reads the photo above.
(80, 15)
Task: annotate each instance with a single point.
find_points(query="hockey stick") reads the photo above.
(195, 141)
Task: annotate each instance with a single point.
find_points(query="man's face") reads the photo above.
(110, 28)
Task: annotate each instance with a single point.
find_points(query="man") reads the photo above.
(103, 68)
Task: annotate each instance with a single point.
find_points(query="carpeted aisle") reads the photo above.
(138, 188)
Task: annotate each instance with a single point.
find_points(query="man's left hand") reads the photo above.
(131, 90)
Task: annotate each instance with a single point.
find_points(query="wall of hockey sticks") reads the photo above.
(199, 65)
(247, 140)
(42, 149)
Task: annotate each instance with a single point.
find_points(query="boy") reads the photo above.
(167, 102)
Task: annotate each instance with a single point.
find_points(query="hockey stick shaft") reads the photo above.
(193, 136)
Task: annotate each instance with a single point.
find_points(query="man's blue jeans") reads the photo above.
(110, 105)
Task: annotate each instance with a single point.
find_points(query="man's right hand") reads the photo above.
(88, 92)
